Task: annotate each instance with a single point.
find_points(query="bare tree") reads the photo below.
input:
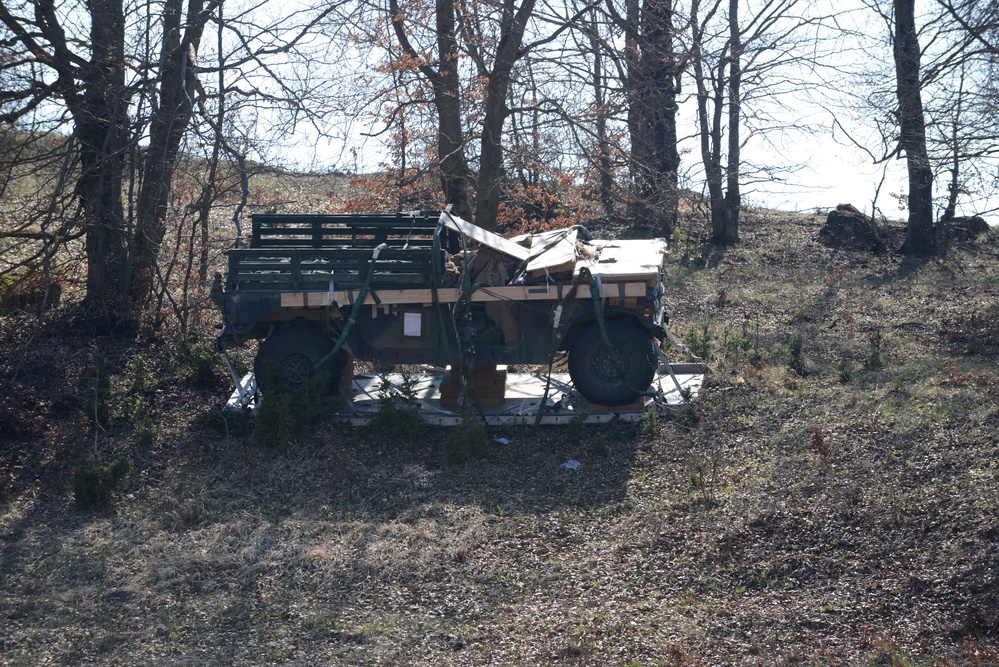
(961, 117)
(178, 84)
(979, 19)
(444, 77)
(931, 105)
(512, 24)
(741, 52)
(121, 75)
(602, 160)
(920, 234)
(492, 38)
(651, 84)
(90, 82)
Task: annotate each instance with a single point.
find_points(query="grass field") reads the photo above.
(832, 497)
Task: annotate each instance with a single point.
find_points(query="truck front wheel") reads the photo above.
(289, 356)
(612, 380)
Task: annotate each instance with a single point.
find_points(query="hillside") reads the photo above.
(831, 498)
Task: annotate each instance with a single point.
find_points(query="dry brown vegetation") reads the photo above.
(831, 498)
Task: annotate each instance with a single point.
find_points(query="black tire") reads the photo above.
(294, 352)
(593, 372)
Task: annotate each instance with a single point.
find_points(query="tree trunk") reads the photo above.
(446, 86)
(605, 192)
(652, 83)
(177, 79)
(491, 154)
(100, 114)
(447, 101)
(725, 227)
(512, 28)
(920, 234)
(709, 129)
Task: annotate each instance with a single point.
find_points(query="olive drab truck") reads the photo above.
(319, 291)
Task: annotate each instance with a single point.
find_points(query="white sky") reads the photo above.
(821, 172)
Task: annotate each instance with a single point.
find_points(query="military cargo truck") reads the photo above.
(429, 288)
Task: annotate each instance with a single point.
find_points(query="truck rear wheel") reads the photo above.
(287, 357)
(594, 372)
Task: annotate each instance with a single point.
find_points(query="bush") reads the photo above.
(796, 354)
(284, 417)
(93, 484)
(98, 405)
(873, 361)
(398, 422)
(222, 422)
(575, 431)
(742, 344)
(650, 422)
(196, 362)
(113, 399)
(468, 441)
(146, 433)
(845, 371)
(600, 447)
(141, 384)
(275, 426)
(699, 341)
(24, 290)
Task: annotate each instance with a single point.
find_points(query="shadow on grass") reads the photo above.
(365, 475)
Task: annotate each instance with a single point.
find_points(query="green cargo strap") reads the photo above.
(599, 314)
(556, 323)
(355, 308)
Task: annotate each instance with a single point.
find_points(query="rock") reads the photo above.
(967, 228)
(847, 228)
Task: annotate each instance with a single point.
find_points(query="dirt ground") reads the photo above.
(831, 497)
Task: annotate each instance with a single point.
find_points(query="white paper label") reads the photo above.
(412, 324)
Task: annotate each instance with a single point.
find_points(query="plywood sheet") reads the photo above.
(626, 260)
(557, 252)
(487, 238)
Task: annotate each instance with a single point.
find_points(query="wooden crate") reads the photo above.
(489, 386)
(347, 374)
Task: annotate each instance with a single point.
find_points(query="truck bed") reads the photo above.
(319, 260)
(319, 253)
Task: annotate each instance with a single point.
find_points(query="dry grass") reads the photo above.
(841, 514)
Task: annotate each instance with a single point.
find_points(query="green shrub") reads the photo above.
(796, 354)
(845, 370)
(284, 417)
(575, 430)
(650, 422)
(98, 404)
(146, 433)
(93, 484)
(735, 344)
(600, 447)
(398, 422)
(742, 344)
(467, 441)
(227, 423)
(700, 340)
(196, 362)
(313, 404)
(275, 426)
(111, 399)
(875, 341)
(140, 385)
